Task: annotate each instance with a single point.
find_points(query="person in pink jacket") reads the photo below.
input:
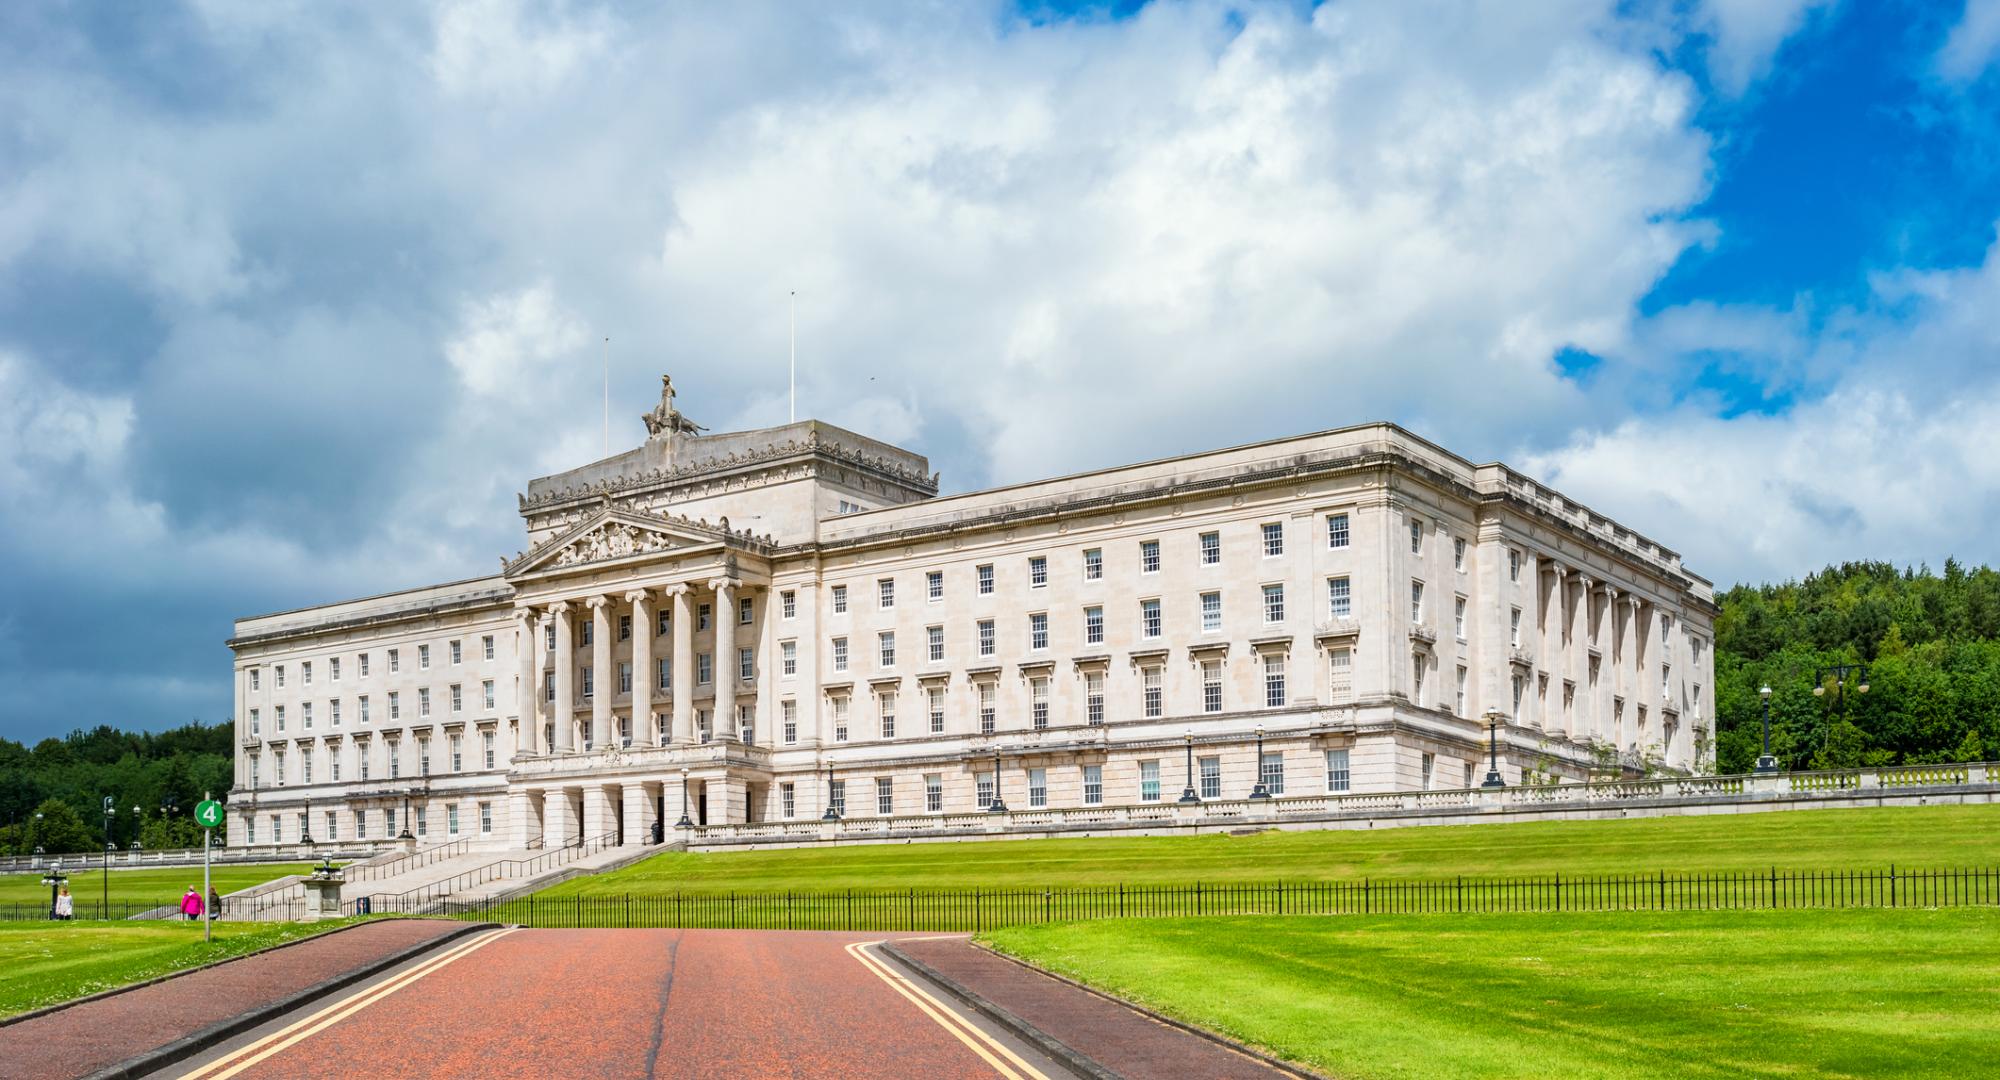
(191, 905)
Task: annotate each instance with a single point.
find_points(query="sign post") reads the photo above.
(208, 814)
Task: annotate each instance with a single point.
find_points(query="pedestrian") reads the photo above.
(65, 905)
(191, 905)
(214, 904)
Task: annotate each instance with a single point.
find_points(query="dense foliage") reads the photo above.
(1930, 643)
(163, 774)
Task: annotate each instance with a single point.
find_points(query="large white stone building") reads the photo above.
(751, 624)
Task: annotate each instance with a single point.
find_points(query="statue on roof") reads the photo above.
(667, 420)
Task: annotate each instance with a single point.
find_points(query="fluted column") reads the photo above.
(602, 687)
(683, 688)
(722, 725)
(564, 714)
(1553, 655)
(642, 667)
(529, 718)
(1579, 658)
(1628, 667)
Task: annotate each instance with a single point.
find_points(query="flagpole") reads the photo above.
(607, 397)
(794, 370)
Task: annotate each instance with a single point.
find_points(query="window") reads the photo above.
(985, 796)
(1274, 538)
(1341, 687)
(486, 643)
(1458, 552)
(424, 651)
(1273, 772)
(985, 579)
(424, 695)
(1417, 678)
(1093, 785)
(362, 702)
(746, 611)
(1210, 771)
(457, 698)
(1149, 781)
(788, 658)
(934, 793)
(704, 668)
(885, 707)
(840, 654)
(1150, 699)
(934, 585)
(451, 820)
(788, 716)
(840, 718)
(746, 669)
(1211, 686)
(702, 614)
(624, 627)
(361, 824)
(250, 829)
(1458, 693)
(1416, 601)
(934, 643)
(840, 599)
(1211, 612)
(253, 720)
(396, 656)
(395, 707)
(885, 796)
(1514, 627)
(1038, 630)
(886, 640)
(486, 819)
(1520, 685)
(1458, 618)
(548, 642)
(1093, 564)
(457, 753)
(936, 696)
(363, 659)
(278, 674)
(1274, 680)
(423, 757)
(788, 604)
(278, 713)
(487, 755)
(664, 673)
(305, 673)
(389, 822)
(333, 712)
(333, 669)
(788, 800)
(1513, 565)
(665, 622)
(306, 767)
(1211, 548)
(987, 713)
(885, 593)
(486, 688)
(1149, 618)
(1038, 787)
(255, 680)
(589, 684)
(1666, 688)
(1274, 603)
(986, 637)
(1416, 536)
(1038, 572)
(1336, 530)
(1093, 697)
(278, 768)
(1430, 767)
(1149, 556)
(1339, 598)
(457, 654)
(1038, 698)
(1093, 626)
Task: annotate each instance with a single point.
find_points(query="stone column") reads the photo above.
(517, 804)
(642, 669)
(596, 811)
(638, 814)
(526, 704)
(683, 688)
(603, 686)
(722, 725)
(556, 828)
(1579, 657)
(563, 714)
(1552, 651)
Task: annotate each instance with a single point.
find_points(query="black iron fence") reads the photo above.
(953, 910)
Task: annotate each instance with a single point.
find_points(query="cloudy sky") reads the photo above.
(295, 297)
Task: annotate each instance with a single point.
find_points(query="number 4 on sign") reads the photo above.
(208, 814)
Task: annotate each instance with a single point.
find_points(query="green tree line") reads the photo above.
(162, 774)
(1930, 643)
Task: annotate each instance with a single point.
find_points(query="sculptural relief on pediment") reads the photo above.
(612, 540)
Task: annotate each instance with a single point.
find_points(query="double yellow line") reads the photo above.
(279, 1041)
(986, 1046)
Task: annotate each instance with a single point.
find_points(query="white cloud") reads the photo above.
(1973, 43)
(512, 341)
(1746, 35)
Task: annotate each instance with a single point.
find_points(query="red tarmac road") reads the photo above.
(630, 1003)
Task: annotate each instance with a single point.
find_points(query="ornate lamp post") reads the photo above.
(685, 822)
(306, 827)
(1493, 781)
(997, 806)
(1258, 790)
(110, 812)
(138, 819)
(1188, 796)
(54, 879)
(831, 813)
(405, 834)
(1841, 674)
(1766, 763)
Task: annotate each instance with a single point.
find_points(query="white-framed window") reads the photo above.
(1038, 630)
(886, 649)
(361, 824)
(1339, 597)
(457, 653)
(278, 715)
(1458, 552)
(840, 718)
(934, 586)
(1038, 702)
(1149, 556)
(1458, 693)
(362, 662)
(1149, 781)
(1458, 618)
(305, 673)
(1416, 536)
(1211, 686)
(424, 651)
(1211, 548)
(936, 701)
(1336, 531)
(788, 658)
(306, 766)
(1038, 571)
(457, 698)
(333, 668)
(1093, 626)
(1337, 778)
(396, 655)
(1209, 769)
(1430, 769)
(395, 706)
(988, 713)
(423, 755)
(486, 645)
(1520, 686)
(703, 613)
(306, 715)
(488, 756)
(1274, 539)
(362, 704)
(840, 654)
(746, 665)
(1666, 688)
(256, 680)
(1273, 772)
(704, 668)
(1151, 699)
(885, 593)
(788, 718)
(986, 785)
(486, 688)
(663, 622)
(253, 720)
(934, 643)
(746, 610)
(1514, 627)
(1038, 787)
(885, 796)
(486, 819)
(1093, 785)
(451, 819)
(457, 752)
(1341, 687)
(624, 627)
(1274, 603)
(424, 695)
(333, 712)
(1274, 680)
(840, 599)
(589, 679)
(278, 676)
(1211, 612)
(934, 793)
(985, 573)
(624, 677)
(788, 604)
(361, 757)
(1513, 564)
(1093, 697)
(1150, 619)
(1417, 678)
(788, 800)
(885, 707)
(1093, 564)
(663, 672)
(1416, 601)
(987, 637)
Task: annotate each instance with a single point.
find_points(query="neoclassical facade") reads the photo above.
(748, 627)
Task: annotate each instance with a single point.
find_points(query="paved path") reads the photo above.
(84, 1038)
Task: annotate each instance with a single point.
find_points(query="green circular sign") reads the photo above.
(208, 814)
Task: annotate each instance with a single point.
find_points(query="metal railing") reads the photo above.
(974, 910)
(425, 898)
(409, 861)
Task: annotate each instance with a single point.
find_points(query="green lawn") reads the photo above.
(1907, 993)
(1816, 839)
(43, 963)
(144, 886)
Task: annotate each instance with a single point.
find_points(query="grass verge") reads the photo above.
(1908, 993)
(153, 885)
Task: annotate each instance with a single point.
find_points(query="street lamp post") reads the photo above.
(1766, 763)
(54, 879)
(405, 834)
(1841, 674)
(1188, 796)
(997, 806)
(685, 822)
(1258, 790)
(1493, 781)
(831, 814)
(110, 812)
(306, 827)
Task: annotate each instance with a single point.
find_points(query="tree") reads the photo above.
(59, 830)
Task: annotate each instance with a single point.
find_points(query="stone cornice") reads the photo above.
(812, 446)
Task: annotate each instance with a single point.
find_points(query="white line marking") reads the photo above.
(946, 1018)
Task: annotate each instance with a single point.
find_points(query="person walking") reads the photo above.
(214, 904)
(65, 905)
(191, 905)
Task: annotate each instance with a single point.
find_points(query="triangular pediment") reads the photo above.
(613, 533)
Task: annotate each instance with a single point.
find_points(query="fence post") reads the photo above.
(531, 909)
(1892, 884)
(1121, 899)
(1660, 898)
(1366, 898)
